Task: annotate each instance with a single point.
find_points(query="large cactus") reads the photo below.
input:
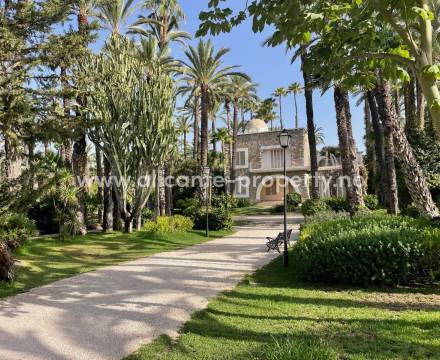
(131, 105)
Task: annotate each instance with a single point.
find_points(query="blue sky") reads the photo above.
(270, 68)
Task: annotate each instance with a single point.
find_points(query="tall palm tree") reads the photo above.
(295, 89)
(184, 127)
(266, 111)
(224, 136)
(241, 89)
(162, 23)
(204, 67)
(114, 14)
(280, 93)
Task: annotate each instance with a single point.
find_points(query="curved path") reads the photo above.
(109, 313)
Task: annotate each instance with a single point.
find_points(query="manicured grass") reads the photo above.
(45, 260)
(254, 210)
(273, 316)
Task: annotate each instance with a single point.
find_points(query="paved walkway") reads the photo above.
(109, 313)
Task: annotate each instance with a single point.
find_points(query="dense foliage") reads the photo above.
(368, 250)
(218, 218)
(169, 224)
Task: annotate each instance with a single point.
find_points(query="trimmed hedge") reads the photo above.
(368, 250)
(313, 206)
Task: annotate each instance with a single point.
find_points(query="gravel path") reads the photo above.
(109, 313)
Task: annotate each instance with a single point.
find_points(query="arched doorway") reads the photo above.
(271, 188)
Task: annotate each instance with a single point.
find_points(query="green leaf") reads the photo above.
(426, 15)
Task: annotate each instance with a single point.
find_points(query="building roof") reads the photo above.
(256, 126)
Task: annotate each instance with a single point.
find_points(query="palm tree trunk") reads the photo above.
(370, 158)
(281, 112)
(296, 112)
(350, 165)
(204, 130)
(160, 193)
(390, 167)
(308, 93)
(196, 128)
(411, 125)
(213, 131)
(378, 148)
(234, 143)
(107, 221)
(414, 177)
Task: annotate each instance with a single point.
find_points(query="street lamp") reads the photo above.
(284, 138)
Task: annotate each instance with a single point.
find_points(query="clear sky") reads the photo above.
(270, 68)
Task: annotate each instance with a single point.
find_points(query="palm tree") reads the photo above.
(266, 111)
(295, 89)
(280, 93)
(115, 13)
(319, 135)
(162, 23)
(184, 127)
(204, 68)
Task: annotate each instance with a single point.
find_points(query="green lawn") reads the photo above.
(45, 260)
(272, 316)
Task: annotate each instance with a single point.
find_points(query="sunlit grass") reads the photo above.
(45, 260)
(272, 316)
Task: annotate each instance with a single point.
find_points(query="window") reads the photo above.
(242, 187)
(276, 158)
(241, 159)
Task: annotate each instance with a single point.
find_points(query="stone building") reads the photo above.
(259, 166)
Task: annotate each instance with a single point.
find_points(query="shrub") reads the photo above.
(219, 219)
(15, 229)
(223, 200)
(243, 203)
(337, 204)
(7, 266)
(169, 224)
(369, 249)
(293, 200)
(326, 216)
(183, 204)
(411, 211)
(44, 215)
(371, 202)
(314, 206)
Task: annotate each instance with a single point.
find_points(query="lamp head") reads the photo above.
(284, 139)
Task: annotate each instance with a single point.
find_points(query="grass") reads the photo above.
(272, 316)
(254, 210)
(46, 259)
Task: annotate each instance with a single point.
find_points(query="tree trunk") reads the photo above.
(296, 111)
(371, 161)
(350, 165)
(204, 132)
(117, 220)
(411, 125)
(79, 163)
(414, 177)
(128, 226)
(107, 223)
(308, 93)
(185, 155)
(421, 107)
(100, 194)
(432, 95)
(13, 159)
(385, 109)
(168, 191)
(213, 131)
(196, 129)
(378, 148)
(66, 146)
(234, 143)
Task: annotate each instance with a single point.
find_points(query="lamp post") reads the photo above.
(284, 138)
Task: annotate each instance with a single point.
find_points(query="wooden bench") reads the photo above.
(275, 243)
